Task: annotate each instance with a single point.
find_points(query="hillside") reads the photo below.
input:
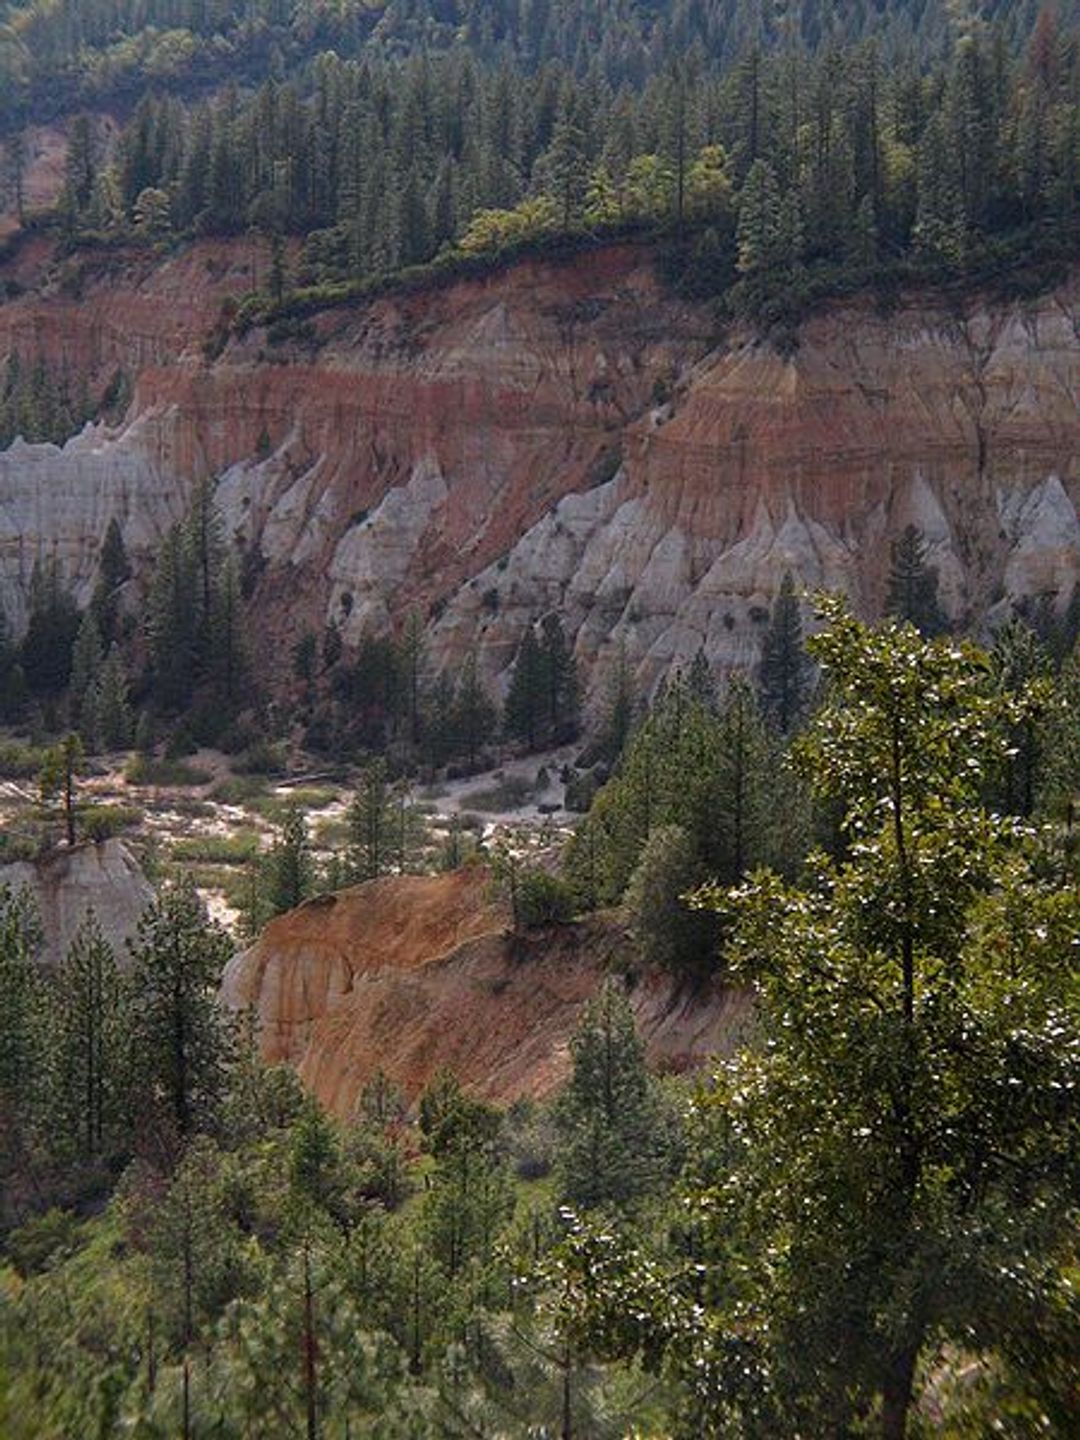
(410, 974)
(562, 434)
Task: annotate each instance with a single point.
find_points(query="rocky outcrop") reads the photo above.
(68, 883)
(559, 435)
(410, 973)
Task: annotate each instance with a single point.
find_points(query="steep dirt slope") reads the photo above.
(411, 973)
(557, 435)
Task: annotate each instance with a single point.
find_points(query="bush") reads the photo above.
(19, 762)
(143, 770)
(531, 1140)
(102, 822)
(239, 789)
(33, 1245)
(543, 899)
(263, 758)
(581, 790)
(669, 933)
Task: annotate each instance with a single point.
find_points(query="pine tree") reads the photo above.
(913, 586)
(784, 672)
(22, 1033)
(743, 811)
(371, 825)
(87, 658)
(227, 657)
(618, 709)
(90, 1038)
(670, 934)
(412, 664)
(562, 693)
(289, 875)
(172, 623)
(612, 1129)
(53, 624)
(180, 1039)
(761, 241)
(114, 569)
(80, 169)
(1019, 662)
(474, 720)
(114, 721)
(56, 780)
(527, 698)
(565, 166)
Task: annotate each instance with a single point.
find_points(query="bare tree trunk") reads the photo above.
(310, 1358)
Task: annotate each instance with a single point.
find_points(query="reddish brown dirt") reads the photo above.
(413, 973)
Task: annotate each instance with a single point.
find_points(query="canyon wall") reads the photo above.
(561, 435)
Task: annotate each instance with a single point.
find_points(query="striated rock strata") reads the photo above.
(559, 435)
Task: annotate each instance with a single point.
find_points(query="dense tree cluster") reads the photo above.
(57, 55)
(37, 403)
(779, 166)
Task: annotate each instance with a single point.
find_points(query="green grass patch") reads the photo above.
(231, 881)
(313, 798)
(217, 849)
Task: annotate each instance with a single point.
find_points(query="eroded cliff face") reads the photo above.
(411, 973)
(68, 884)
(561, 435)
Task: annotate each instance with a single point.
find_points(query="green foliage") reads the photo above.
(717, 775)
(180, 1038)
(22, 1036)
(913, 586)
(194, 617)
(288, 873)
(102, 822)
(144, 770)
(615, 1138)
(886, 1176)
(784, 677)
(543, 899)
(90, 1045)
(38, 402)
(670, 934)
(60, 765)
(52, 626)
(542, 704)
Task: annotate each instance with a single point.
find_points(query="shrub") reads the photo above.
(669, 933)
(239, 789)
(543, 899)
(142, 770)
(19, 762)
(262, 758)
(33, 1245)
(581, 790)
(102, 822)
